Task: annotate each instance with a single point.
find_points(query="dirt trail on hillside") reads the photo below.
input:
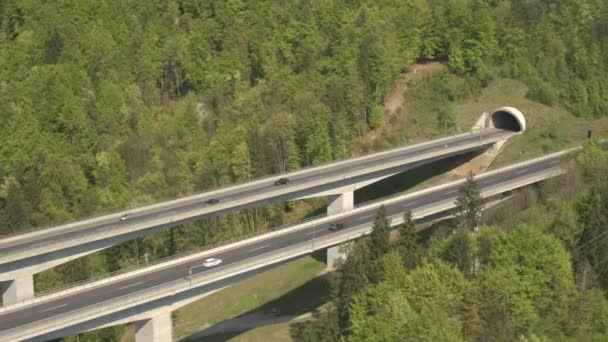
(395, 109)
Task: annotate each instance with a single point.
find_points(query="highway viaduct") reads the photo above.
(147, 296)
(22, 256)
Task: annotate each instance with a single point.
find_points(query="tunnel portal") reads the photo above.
(507, 118)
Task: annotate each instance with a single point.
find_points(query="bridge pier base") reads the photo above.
(156, 329)
(18, 290)
(335, 254)
(340, 203)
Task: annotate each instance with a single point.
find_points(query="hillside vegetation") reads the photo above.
(543, 278)
(112, 104)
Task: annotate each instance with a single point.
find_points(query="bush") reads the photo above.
(376, 117)
(542, 92)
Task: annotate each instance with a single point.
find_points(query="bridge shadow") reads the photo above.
(300, 301)
(409, 179)
(405, 180)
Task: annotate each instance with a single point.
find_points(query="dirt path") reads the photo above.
(395, 103)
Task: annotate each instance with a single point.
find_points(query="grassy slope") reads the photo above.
(289, 289)
(549, 129)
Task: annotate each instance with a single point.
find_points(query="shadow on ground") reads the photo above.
(409, 179)
(299, 301)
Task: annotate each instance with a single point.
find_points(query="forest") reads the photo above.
(106, 104)
(541, 279)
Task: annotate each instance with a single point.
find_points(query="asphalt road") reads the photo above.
(106, 224)
(171, 273)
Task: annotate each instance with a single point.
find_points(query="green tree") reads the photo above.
(527, 287)
(379, 242)
(408, 246)
(459, 251)
(351, 277)
(470, 203)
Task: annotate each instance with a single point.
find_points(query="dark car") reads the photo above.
(212, 201)
(334, 227)
(281, 181)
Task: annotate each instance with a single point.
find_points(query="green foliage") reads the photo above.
(376, 117)
(408, 244)
(351, 278)
(528, 283)
(379, 242)
(105, 107)
(470, 204)
(459, 251)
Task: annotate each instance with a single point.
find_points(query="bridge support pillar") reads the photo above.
(156, 329)
(340, 203)
(335, 254)
(18, 290)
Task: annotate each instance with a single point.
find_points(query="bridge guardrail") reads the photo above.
(182, 257)
(185, 217)
(211, 191)
(234, 269)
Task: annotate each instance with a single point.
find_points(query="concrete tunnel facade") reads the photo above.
(508, 118)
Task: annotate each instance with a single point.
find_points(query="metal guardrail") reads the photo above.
(280, 228)
(178, 256)
(194, 197)
(76, 239)
(204, 278)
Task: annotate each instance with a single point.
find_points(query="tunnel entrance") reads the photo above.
(507, 118)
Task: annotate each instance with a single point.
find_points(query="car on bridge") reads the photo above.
(334, 227)
(212, 201)
(281, 181)
(210, 262)
(125, 216)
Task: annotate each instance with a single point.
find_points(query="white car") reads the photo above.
(210, 262)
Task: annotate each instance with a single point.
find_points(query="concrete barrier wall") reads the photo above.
(238, 187)
(151, 294)
(185, 217)
(498, 188)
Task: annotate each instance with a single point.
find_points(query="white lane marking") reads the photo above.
(521, 171)
(54, 307)
(130, 285)
(410, 203)
(42, 243)
(452, 192)
(258, 248)
(555, 162)
(166, 213)
(104, 228)
(485, 181)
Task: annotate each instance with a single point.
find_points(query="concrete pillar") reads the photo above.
(18, 290)
(156, 329)
(335, 254)
(340, 203)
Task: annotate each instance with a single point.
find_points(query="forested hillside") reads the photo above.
(110, 104)
(541, 279)
(106, 104)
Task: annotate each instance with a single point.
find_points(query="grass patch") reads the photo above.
(292, 288)
(549, 129)
(272, 332)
